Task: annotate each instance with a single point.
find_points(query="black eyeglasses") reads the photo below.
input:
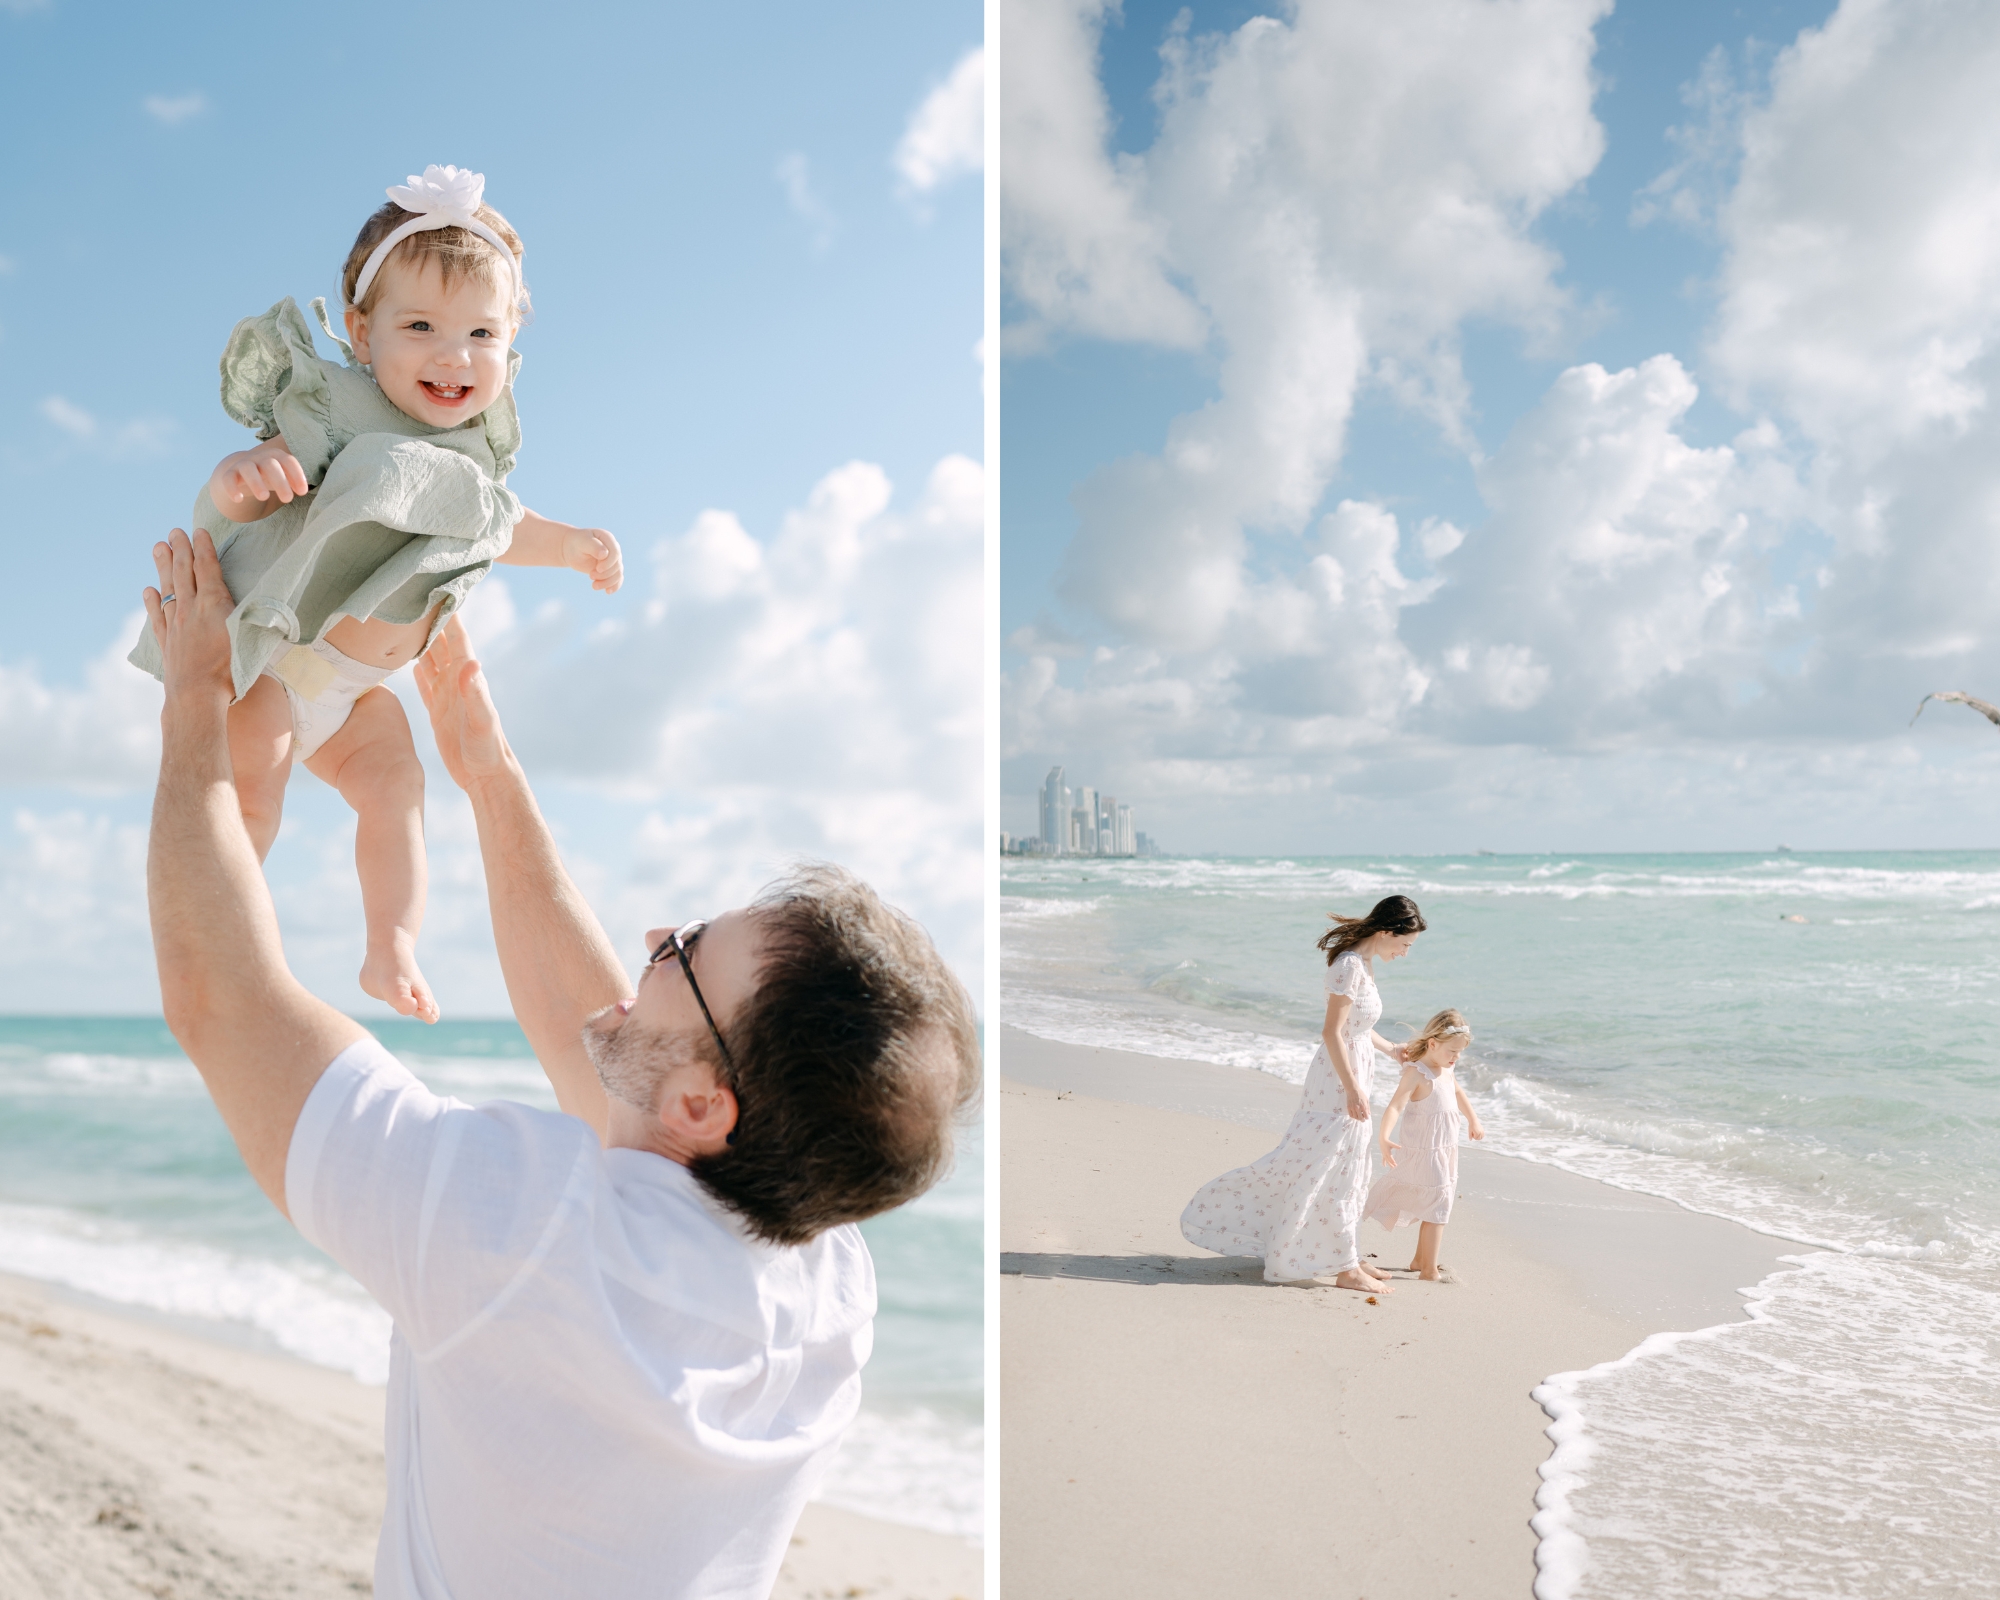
(679, 943)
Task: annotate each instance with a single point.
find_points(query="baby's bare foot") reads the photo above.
(390, 975)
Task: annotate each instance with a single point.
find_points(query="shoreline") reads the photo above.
(148, 1455)
(1350, 1449)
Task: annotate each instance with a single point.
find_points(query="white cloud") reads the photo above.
(1339, 193)
(21, 8)
(814, 691)
(132, 440)
(794, 175)
(1078, 250)
(72, 419)
(174, 109)
(946, 136)
(102, 735)
(1642, 632)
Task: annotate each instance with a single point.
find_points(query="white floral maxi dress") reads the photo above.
(1419, 1187)
(1300, 1206)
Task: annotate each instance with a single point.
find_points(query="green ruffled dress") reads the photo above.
(401, 516)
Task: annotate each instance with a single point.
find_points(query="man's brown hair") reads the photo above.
(852, 1057)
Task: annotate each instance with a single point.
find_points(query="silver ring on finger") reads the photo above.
(166, 597)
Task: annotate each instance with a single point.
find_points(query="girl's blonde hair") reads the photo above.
(457, 251)
(1449, 1023)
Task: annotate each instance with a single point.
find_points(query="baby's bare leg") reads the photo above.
(373, 764)
(260, 755)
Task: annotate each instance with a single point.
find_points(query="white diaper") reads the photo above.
(322, 685)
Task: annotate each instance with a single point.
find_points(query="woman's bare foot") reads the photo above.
(390, 975)
(1355, 1278)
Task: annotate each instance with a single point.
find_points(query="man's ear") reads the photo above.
(699, 1116)
(357, 334)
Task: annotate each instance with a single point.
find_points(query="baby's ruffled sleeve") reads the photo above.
(274, 381)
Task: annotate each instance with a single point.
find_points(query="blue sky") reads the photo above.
(1622, 225)
(746, 310)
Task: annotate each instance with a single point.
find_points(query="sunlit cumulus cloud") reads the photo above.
(812, 689)
(946, 136)
(1337, 194)
(1329, 199)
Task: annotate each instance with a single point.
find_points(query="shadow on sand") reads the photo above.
(1199, 1270)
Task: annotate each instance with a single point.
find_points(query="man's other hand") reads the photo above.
(188, 613)
(463, 718)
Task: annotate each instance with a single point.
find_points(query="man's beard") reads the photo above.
(632, 1060)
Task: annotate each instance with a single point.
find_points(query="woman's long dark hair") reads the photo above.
(1397, 914)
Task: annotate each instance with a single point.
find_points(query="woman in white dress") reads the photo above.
(1299, 1207)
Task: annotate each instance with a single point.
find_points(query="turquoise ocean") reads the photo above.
(118, 1179)
(1806, 1044)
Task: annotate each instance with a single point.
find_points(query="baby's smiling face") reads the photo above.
(439, 354)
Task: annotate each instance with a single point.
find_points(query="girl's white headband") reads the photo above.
(444, 197)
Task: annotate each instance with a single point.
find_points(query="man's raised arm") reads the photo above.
(554, 954)
(258, 1038)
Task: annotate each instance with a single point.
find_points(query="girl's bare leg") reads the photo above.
(374, 765)
(260, 755)
(1430, 1235)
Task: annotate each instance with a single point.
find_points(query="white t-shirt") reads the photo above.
(600, 1385)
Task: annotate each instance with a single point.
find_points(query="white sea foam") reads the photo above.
(1851, 1428)
(915, 1467)
(313, 1312)
(1069, 1020)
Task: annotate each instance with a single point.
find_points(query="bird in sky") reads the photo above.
(1990, 713)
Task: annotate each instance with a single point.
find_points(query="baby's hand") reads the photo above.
(1387, 1145)
(594, 553)
(256, 474)
(1476, 1130)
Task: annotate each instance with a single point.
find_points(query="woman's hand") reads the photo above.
(1357, 1105)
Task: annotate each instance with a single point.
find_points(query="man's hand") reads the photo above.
(188, 612)
(463, 718)
(255, 482)
(595, 553)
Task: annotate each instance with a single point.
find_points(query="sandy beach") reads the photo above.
(143, 1460)
(1174, 1427)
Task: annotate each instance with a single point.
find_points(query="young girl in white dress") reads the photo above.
(1299, 1207)
(1429, 1103)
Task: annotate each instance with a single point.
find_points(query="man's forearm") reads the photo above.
(259, 1040)
(557, 962)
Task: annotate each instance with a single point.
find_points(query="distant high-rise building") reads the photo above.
(1086, 822)
(1124, 842)
(1055, 813)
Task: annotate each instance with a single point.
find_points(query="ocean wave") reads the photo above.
(87, 1073)
(1069, 1021)
(1855, 1399)
(915, 1467)
(316, 1313)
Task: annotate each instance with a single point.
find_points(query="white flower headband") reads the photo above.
(444, 197)
(1454, 1028)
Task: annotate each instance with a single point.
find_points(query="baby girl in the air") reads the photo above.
(375, 502)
